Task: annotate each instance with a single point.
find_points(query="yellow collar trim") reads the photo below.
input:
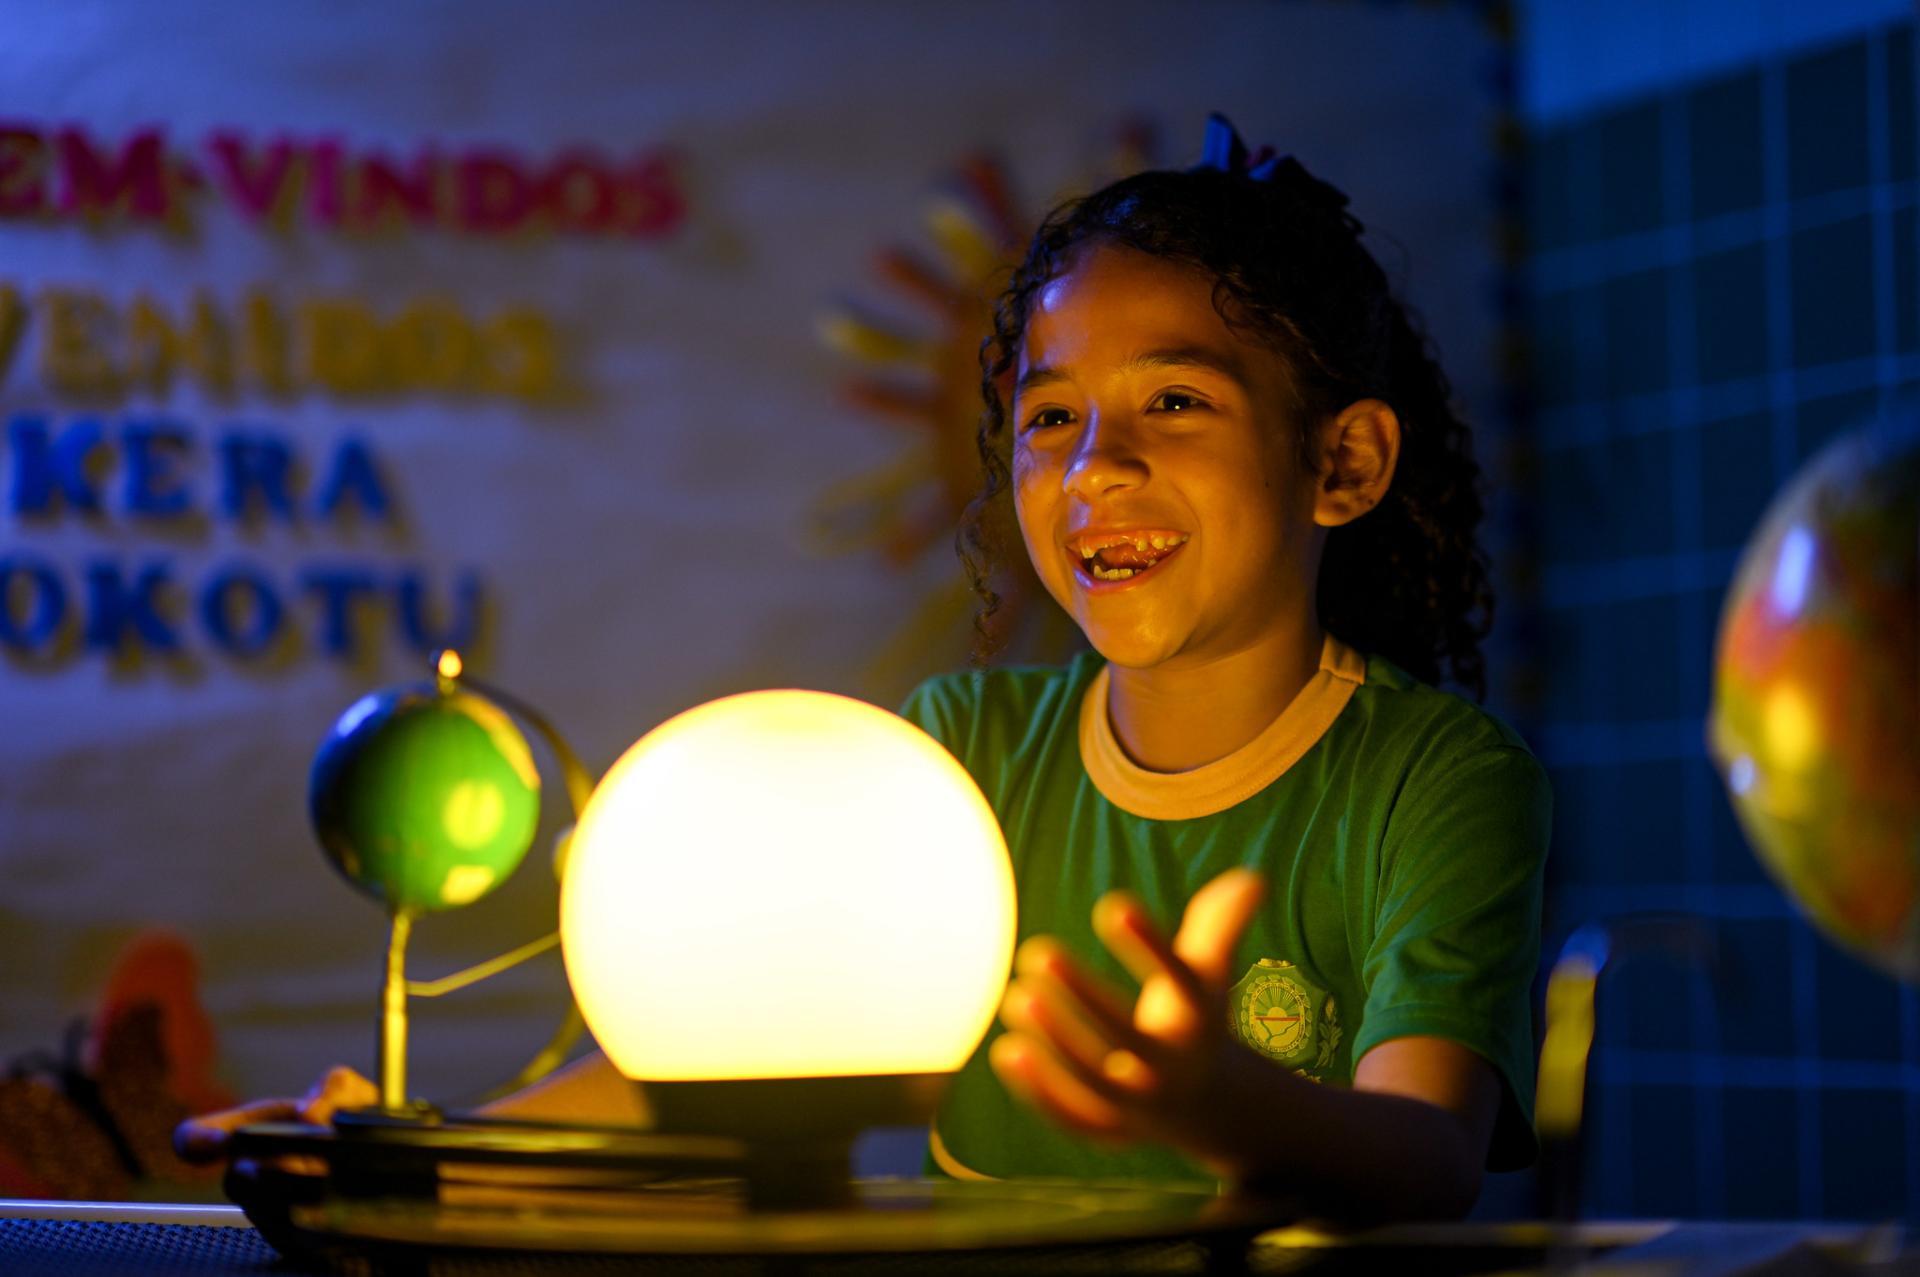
(1230, 780)
(947, 1162)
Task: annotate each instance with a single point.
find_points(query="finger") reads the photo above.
(1028, 1009)
(299, 1164)
(1112, 1065)
(1215, 920)
(1101, 1033)
(1123, 925)
(341, 1088)
(1103, 1006)
(250, 1168)
(203, 1139)
(1032, 1074)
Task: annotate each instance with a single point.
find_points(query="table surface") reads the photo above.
(85, 1239)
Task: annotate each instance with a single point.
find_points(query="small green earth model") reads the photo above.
(1816, 706)
(424, 796)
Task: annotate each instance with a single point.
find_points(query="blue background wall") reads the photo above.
(1724, 275)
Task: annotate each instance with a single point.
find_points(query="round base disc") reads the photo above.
(386, 1184)
(888, 1217)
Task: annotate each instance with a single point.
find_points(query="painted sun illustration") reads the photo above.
(923, 380)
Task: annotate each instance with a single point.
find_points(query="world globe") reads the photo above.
(424, 796)
(1815, 722)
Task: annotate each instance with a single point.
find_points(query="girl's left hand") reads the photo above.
(1079, 1054)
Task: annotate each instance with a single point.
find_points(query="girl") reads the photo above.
(1233, 462)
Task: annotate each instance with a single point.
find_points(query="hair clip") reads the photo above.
(1223, 149)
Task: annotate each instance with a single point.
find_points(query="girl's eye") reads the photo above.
(1176, 401)
(1049, 417)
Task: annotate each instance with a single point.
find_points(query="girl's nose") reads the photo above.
(1104, 460)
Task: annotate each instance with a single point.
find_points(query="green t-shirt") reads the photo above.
(1402, 832)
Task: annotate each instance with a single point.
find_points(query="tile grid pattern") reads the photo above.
(1725, 276)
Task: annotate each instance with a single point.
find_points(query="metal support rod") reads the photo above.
(393, 1017)
(481, 970)
(1560, 1098)
(573, 773)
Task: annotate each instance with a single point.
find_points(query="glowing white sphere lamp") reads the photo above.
(788, 915)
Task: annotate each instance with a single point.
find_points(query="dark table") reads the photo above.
(136, 1239)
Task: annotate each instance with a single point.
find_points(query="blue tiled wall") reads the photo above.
(1725, 275)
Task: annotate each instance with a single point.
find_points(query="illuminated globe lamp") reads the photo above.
(1816, 710)
(425, 797)
(788, 915)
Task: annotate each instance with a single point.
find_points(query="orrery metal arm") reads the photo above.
(1572, 989)
(579, 783)
(481, 970)
(573, 773)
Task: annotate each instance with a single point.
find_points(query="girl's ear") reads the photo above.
(1359, 447)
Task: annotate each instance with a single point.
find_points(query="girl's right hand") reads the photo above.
(204, 1139)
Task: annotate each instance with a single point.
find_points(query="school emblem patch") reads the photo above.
(1280, 1013)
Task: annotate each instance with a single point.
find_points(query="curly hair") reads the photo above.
(1409, 579)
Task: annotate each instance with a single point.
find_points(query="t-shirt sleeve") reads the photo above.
(1457, 922)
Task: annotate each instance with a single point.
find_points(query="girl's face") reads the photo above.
(1156, 471)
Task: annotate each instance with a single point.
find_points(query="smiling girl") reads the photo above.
(1234, 463)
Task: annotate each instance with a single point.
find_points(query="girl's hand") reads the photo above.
(1115, 1074)
(204, 1139)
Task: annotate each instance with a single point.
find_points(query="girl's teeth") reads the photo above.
(1163, 541)
(1159, 541)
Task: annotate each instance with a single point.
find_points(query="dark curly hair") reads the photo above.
(1408, 580)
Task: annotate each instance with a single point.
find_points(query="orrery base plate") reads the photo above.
(380, 1185)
